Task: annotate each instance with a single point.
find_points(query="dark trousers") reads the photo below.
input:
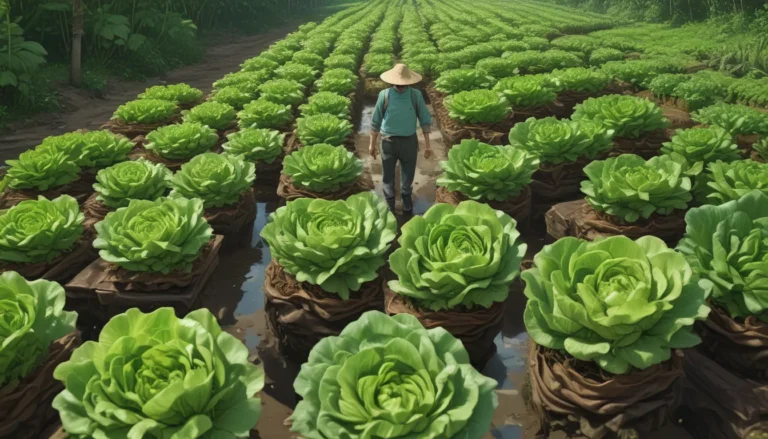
(405, 150)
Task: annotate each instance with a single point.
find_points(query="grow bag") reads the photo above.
(25, 406)
(131, 130)
(568, 99)
(646, 146)
(94, 211)
(302, 314)
(555, 183)
(522, 114)
(740, 346)
(518, 208)
(63, 268)
(476, 328)
(454, 132)
(79, 189)
(572, 395)
(111, 290)
(173, 165)
(580, 220)
(289, 192)
(229, 221)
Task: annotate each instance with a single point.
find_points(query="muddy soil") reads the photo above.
(89, 112)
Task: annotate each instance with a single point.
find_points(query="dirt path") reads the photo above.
(91, 112)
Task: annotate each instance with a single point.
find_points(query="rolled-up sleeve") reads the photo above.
(425, 119)
(378, 114)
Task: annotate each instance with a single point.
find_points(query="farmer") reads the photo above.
(395, 117)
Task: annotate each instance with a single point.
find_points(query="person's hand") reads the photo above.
(427, 153)
(373, 150)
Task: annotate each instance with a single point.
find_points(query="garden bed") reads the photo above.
(580, 220)
(289, 192)
(518, 208)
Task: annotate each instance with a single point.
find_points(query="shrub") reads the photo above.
(116, 186)
(337, 245)
(34, 317)
(483, 172)
(477, 106)
(392, 356)
(527, 91)
(580, 79)
(301, 73)
(180, 94)
(217, 179)
(41, 169)
(458, 80)
(263, 113)
(212, 114)
(736, 119)
(156, 236)
(628, 116)
(322, 128)
(322, 167)
(465, 255)
(256, 144)
(145, 111)
(182, 141)
(726, 245)
(178, 376)
(558, 141)
(282, 91)
(38, 231)
(631, 188)
(695, 147)
(233, 97)
(339, 81)
(727, 181)
(616, 302)
(326, 102)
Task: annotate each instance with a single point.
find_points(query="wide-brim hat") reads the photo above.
(401, 75)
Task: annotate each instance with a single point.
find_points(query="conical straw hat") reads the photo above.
(400, 75)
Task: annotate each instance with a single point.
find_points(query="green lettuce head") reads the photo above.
(458, 80)
(735, 118)
(628, 116)
(322, 167)
(664, 85)
(158, 376)
(527, 91)
(217, 179)
(761, 147)
(727, 181)
(158, 236)
(347, 62)
(695, 147)
(259, 63)
(246, 81)
(617, 302)
(72, 144)
(388, 377)
(328, 103)
(485, 172)
(117, 185)
(338, 245)
(36, 231)
(557, 141)
(102, 149)
(33, 318)
(215, 115)
(41, 169)
(256, 144)
(307, 58)
(146, 111)
(265, 114)
(180, 94)
(301, 73)
(580, 79)
(283, 91)
(339, 81)
(465, 255)
(631, 188)
(322, 128)
(182, 141)
(233, 97)
(728, 245)
(478, 106)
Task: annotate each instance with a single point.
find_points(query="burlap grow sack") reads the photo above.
(518, 207)
(740, 346)
(476, 328)
(301, 314)
(289, 191)
(646, 146)
(63, 268)
(580, 220)
(560, 182)
(568, 99)
(230, 221)
(80, 190)
(572, 395)
(25, 406)
(131, 130)
(454, 132)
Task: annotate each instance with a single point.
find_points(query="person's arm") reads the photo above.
(376, 121)
(425, 120)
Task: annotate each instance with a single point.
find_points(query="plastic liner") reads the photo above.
(229, 221)
(572, 395)
(104, 284)
(289, 192)
(646, 146)
(131, 130)
(518, 208)
(25, 406)
(301, 314)
(580, 220)
(61, 269)
(476, 328)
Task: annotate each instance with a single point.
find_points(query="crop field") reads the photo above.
(587, 254)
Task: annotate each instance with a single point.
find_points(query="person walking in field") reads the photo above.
(398, 111)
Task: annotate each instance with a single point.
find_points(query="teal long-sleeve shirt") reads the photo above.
(401, 117)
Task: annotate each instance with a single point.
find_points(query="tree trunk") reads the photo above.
(76, 72)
